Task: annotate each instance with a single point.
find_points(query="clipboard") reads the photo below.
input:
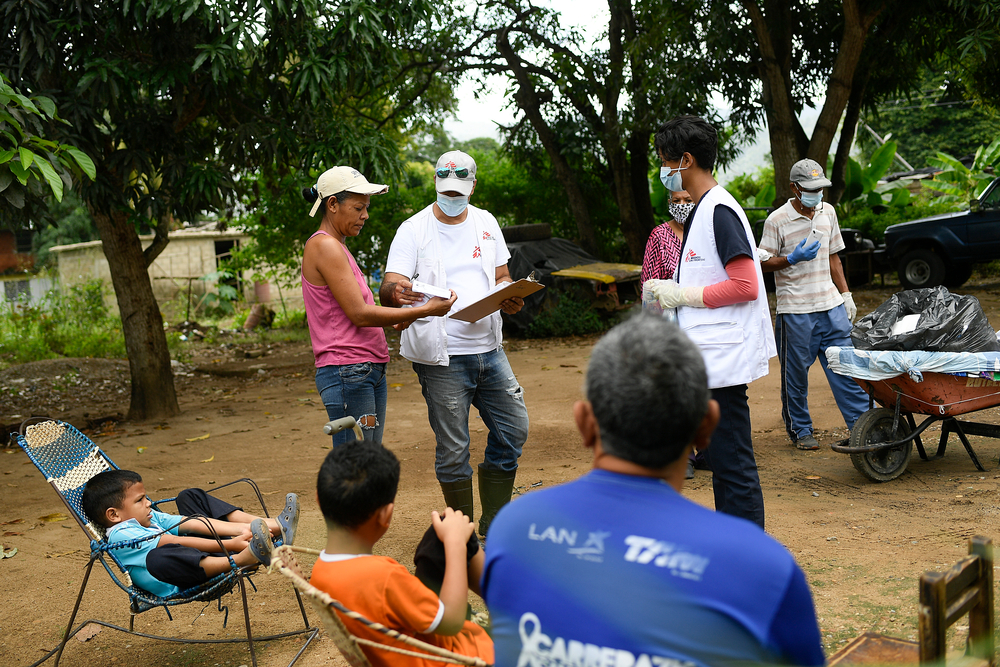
(491, 302)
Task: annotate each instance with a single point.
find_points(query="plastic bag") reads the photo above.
(946, 323)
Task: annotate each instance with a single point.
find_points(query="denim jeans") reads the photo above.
(487, 382)
(358, 390)
(801, 338)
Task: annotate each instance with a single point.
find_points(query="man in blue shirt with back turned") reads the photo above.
(617, 568)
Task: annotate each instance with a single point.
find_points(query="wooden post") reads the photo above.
(981, 615)
(932, 623)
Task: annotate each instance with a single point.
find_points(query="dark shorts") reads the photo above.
(180, 565)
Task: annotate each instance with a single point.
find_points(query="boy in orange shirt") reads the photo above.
(356, 489)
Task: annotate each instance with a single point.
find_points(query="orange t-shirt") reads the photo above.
(382, 590)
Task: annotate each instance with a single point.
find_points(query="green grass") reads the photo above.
(72, 323)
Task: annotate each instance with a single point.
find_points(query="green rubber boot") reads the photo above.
(495, 489)
(458, 496)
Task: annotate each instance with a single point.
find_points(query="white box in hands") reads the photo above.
(430, 290)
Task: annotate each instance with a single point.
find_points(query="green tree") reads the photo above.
(177, 100)
(31, 165)
(935, 117)
(70, 222)
(593, 107)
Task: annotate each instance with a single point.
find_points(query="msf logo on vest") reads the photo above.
(692, 256)
(540, 650)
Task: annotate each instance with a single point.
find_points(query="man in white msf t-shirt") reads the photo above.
(454, 245)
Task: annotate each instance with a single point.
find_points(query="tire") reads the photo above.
(957, 275)
(921, 268)
(883, 465)
(537, 231)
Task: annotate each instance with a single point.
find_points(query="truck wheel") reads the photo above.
(957, 275)
(921, 268)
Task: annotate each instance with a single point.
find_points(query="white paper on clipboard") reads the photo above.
(491, 302)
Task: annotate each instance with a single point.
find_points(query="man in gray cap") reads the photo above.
(800, 243)
(453, 245)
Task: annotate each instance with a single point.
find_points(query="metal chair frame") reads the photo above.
(68, 458)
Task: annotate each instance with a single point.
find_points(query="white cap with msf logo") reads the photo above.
(455, 172)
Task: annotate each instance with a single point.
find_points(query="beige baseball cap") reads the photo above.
(344, 179)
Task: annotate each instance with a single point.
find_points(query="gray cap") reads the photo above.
(808, 175)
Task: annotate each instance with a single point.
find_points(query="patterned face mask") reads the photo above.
(680, 212)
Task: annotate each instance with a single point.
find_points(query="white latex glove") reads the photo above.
(852, 310)
(672, 295)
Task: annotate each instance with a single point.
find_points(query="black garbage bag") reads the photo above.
(948, 323)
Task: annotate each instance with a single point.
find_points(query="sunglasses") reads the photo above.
(459, 173)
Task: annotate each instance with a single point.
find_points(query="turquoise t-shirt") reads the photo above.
(134, 558)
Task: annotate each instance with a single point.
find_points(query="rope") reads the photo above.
(941, 406)
(278, 562)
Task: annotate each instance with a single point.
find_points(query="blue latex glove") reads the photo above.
(803, 252)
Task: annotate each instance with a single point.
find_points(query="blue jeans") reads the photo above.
(358, 390)
(487, 382)
(801, 338)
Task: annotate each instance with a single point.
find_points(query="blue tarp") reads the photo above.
(885, 364)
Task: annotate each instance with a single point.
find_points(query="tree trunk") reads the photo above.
(842, 79)
(153, 394)
(851, 116)
(527, 100)
(788, 140)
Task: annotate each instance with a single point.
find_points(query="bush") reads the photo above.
(570, 317)
(74, 323)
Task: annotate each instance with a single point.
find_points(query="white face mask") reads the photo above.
(452, 206)
(680, 211)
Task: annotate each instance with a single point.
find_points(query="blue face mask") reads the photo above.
(452, 206)
(672, 182)
(811, 199)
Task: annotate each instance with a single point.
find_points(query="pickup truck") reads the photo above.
(941, 249)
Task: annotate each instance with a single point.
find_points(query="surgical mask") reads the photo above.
(452, 206)
(680, 212)
(672, 182)
(811, 199)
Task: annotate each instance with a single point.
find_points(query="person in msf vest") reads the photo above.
(718, 291)
(454, 245)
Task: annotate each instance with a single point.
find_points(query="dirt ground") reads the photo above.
(862, 544)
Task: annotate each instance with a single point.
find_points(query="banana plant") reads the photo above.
(862, 188)
(960, 183)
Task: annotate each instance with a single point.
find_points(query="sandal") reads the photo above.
(289, 519)
(260, 542)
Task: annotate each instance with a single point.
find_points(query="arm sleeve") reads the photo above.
(836, 238)
(730, 235)
(402, 252)
(741, 286)
(410, 603)
(770, 242)
(794, 630)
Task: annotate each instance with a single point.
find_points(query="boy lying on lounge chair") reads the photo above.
(179, 559)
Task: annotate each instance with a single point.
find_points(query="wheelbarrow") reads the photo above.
(912, 383)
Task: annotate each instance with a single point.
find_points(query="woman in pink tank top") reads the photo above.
(345, 325)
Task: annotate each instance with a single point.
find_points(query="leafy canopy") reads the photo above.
(31, 166)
